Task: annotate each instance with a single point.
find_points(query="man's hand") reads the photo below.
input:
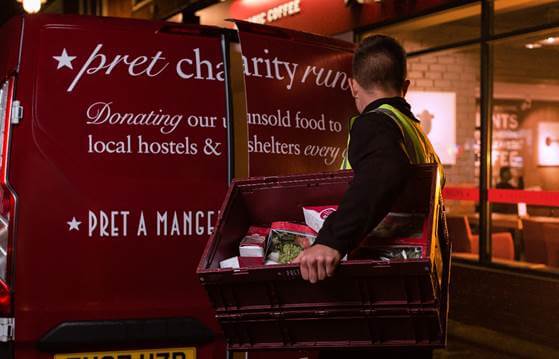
(317, 262)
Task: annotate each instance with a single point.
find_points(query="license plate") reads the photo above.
(168, 353)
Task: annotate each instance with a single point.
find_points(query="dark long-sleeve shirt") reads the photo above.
(376, 154)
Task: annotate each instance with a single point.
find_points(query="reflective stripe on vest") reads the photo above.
(345, 163)
(417, 146)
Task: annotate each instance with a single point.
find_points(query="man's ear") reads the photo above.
(405, 88)
(353, 87)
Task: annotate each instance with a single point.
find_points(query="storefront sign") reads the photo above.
(525, 139)
(509, 138)
(298, 99)
(318, 16)
(276, 13)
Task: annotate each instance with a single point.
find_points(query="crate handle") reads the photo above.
(240, 271)
(271, 179)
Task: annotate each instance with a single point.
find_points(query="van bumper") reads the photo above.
(93, 335)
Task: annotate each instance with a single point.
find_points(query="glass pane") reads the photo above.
(525, 156)
(442, 28)
(520, 14)
(443, 91)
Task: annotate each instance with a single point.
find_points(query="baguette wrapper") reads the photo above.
(287, 240)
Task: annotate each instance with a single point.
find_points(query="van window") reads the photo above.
(3, 221)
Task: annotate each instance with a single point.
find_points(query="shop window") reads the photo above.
(443, 92)
(525, 147)
(440, 29)
(521, 14)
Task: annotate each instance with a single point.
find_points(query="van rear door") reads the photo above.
(119, 166)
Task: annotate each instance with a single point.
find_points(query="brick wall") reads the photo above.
(457, 72)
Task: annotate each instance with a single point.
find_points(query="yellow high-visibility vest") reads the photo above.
(419, 150)
(417, 146)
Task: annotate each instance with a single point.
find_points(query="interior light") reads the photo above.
(552, 40)
(32, 6)
(533, 46)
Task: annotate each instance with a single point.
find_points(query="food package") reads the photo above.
(253, 243)
(316, 215)
(287, 240)
(238, 262)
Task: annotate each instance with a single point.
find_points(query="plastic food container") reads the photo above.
(366, 304)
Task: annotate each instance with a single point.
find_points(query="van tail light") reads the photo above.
(5, 298)
(7, 199)
(5, 293)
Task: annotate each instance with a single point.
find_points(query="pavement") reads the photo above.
(459, 349)
(464, 341)
(467, 341)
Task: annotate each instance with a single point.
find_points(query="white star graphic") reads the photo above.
(74, 224)
(64, 60)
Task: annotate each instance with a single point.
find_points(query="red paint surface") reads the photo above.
(461, 193)
(303, 97)
(64, 275)
(9, 43)
(539, 198)
(542, 198)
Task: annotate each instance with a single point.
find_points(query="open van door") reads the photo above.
(119, 166)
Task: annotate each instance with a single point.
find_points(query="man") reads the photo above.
(505, 176)
(384, 140)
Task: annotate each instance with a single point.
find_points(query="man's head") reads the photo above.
(505, 174)
(379, 70)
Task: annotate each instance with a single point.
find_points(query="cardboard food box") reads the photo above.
(378, 303)
(253, 243)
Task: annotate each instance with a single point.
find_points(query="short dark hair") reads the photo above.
(380, 61)
(504, 170)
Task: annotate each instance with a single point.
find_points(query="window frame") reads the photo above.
(486, 41)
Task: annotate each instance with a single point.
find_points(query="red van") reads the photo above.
(114, 162)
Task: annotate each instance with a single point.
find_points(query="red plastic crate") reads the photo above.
(367, 303)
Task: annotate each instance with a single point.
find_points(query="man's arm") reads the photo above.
(380, 170)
